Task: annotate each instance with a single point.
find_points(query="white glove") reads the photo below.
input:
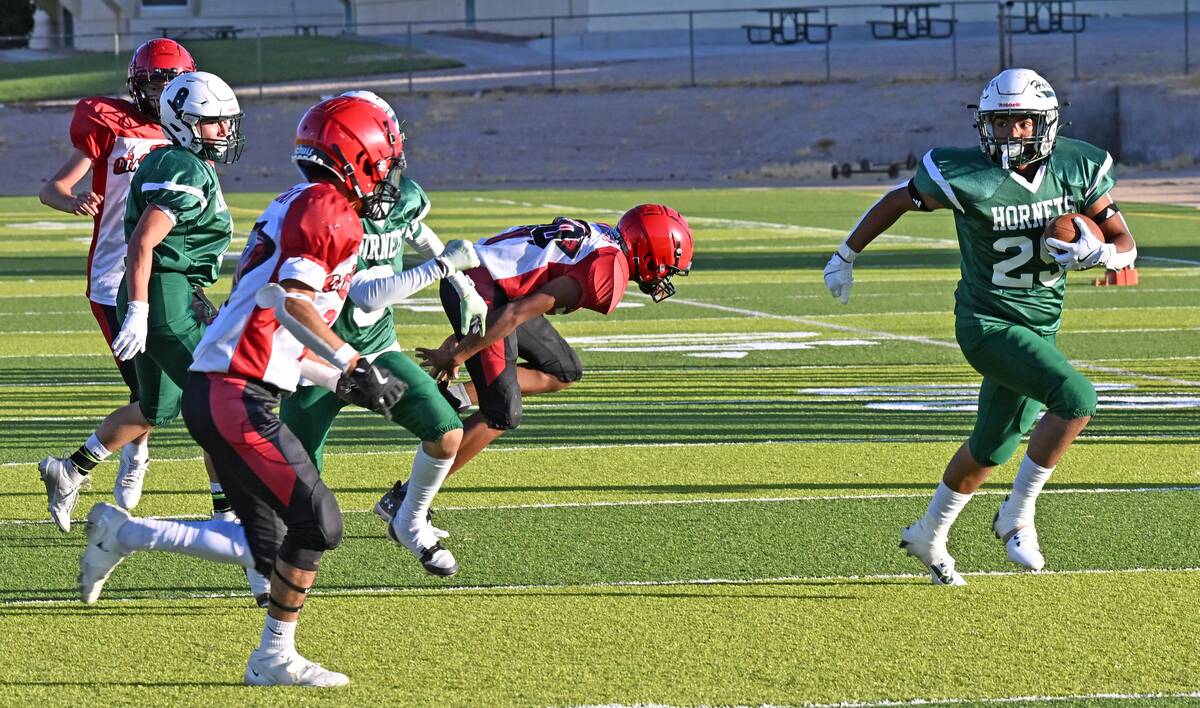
(131, 340)
(1087, 251)
(458, 256)
(839, 273)
(472, 309)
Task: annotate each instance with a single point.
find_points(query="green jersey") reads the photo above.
(1007, 275)
(186, 187)
(383, 245)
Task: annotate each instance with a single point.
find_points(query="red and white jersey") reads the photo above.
(309, 233)
(524, 258)
(115, 136)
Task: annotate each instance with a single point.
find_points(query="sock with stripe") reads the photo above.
(219, 502)
(89, 454)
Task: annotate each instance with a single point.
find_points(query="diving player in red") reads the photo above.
(110, 136)
(307, 242)
(528, 272)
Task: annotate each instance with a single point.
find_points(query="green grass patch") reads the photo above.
(235, 60)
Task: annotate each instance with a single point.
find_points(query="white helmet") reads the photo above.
(1017, 92)
(200, 97)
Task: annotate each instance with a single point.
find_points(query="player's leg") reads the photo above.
(264, 466)
(309, 413)
(1042, 373)
(423, 412)
(550, 365)
(135, 456)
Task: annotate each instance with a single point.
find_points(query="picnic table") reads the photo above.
(1045, 17)
(790, 25)
(912, 20)
(199, 32)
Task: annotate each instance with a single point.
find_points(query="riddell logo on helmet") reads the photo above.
(1016, 104)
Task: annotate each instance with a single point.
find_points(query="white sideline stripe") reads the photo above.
(694, 502)
(1007, 699)
(861, 331)
(436, 589)
(1160, 259)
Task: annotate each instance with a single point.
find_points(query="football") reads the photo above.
(1063, 227)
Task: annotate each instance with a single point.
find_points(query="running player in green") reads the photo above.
(177, 227)
(1009, 299)
(366, 324)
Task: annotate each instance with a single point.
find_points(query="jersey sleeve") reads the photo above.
(931, 182)
(319, 232)
(90, 133)
(603, 281)
(1100, 177)
(176, 183)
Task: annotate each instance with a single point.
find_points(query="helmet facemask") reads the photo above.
(226, 150)
(658, 287)
(141, 83)
(1015, 153)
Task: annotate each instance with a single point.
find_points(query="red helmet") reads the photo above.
(658, 243)
(357, 144)
(155, 63)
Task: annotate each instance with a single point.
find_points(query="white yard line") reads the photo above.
(1007, 699)
(812, 498)
(784, 579)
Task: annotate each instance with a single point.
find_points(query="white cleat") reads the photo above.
(931, 550)
(424, 544)
(104, 552)
(63, 483)
(1020, 540)
(131, 473)
(265, 669)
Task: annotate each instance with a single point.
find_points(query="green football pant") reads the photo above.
(1023, 371)
(172, 336)
(310, 411)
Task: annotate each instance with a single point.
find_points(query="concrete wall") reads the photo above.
(1141, 124)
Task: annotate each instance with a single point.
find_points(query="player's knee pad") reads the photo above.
(567, 369)
(1076, 398)
(312, 528)
(991, 449)
(503, 414)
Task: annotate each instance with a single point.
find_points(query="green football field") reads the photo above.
(710, 516)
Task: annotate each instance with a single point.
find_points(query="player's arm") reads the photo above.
(57, 192)
(299, 304)
(879, 218)
(1113, 247)
(562, 293)
(150, 231)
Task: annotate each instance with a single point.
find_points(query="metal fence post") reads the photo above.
(258, 58)
(1000, 33)
(1075, 53)
(1187, 18)
(953, 40)
(410, 59)
(692, 45)
(553, 51)
(828, 68)
(117, 55)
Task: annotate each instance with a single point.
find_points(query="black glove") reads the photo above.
(371, 387)
(202, 307)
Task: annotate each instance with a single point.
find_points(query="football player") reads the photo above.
(1009, 299)
(306, 241)
(529, 272)
(310, 412)
(110, 136)
(178, 229)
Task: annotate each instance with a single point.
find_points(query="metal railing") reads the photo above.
(702, 45)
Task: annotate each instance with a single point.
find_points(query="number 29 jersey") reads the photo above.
(308, 234)
(1007, 276)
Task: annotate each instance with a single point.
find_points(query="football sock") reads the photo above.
(1031, 477)
(219, 502)
(136, 453)
(89, 454)
(944, 509)
(278, 637)
(426, 479)
(218, 541)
